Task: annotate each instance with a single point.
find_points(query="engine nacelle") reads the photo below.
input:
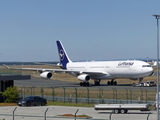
(84, 77)
(46, 75)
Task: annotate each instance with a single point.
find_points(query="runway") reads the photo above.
(40, 82)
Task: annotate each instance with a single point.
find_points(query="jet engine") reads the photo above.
(84, 77)
(46, 75)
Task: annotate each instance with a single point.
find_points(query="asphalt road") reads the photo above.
(40, 82)
(53, 112)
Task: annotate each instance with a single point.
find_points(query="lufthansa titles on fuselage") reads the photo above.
(125, 64)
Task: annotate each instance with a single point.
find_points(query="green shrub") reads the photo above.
(11, 94)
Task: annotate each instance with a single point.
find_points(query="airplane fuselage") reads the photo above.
(113, 69)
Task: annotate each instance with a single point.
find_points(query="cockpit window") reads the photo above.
(146, 66)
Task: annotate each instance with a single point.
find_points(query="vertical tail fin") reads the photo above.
(64, 59)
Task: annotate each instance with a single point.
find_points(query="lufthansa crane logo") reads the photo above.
(61, 54)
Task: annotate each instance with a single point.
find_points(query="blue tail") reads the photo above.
(64, 59)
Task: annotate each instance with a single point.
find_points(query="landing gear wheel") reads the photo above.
(84, 83)
(109, 83)
(112, 83)
(87, 84)
(115, 82)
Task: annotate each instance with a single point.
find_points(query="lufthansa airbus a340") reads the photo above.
(100, 70)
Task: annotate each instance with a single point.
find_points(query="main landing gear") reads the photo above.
(112, 82)
(84, 83)
(97, 82)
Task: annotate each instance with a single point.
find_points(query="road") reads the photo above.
(52, 112)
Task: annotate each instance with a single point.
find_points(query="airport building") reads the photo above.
(7, 77)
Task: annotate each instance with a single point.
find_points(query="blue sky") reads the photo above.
(88, 29)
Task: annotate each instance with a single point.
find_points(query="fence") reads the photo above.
(90, 95)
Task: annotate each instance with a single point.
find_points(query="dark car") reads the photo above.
(32, 101)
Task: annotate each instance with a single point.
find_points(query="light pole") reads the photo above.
(157, 17)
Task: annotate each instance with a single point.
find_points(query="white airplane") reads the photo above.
(154, 63)
(100, 70)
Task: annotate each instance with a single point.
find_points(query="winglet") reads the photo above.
(7, 66)
(64, 59)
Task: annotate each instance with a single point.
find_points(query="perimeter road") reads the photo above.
(37, 113)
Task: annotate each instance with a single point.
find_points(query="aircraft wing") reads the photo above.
(57, 65)
(57, 70)
(50, 70)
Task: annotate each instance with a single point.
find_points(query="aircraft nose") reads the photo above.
(152, 73)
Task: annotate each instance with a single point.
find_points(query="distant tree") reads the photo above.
(11, 94)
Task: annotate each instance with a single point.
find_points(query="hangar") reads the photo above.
(7, 78)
